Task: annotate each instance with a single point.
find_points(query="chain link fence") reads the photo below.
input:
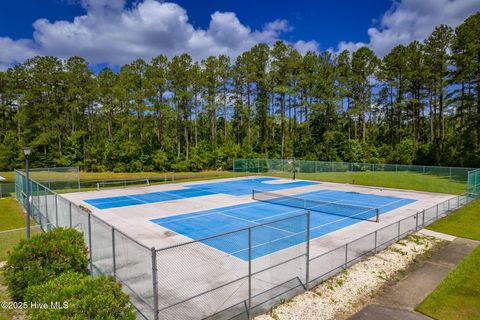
(253, 270)
(111, 252)
(452, 180)
(10, 238)
(7, 189)
(474, 183)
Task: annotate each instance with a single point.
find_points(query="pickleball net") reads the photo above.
(366, 213)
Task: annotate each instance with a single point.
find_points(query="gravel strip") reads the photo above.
(347, 292)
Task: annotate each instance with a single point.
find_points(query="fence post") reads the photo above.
(346, 255)
(375, 249)
(437, 213)
(155, 283)
(56, 209)
(307, 266)
(46, 206)
(70, 213)
(249, 270)
(90, 242)
(399, 229)
(114, 261)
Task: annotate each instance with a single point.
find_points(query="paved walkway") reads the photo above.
(399, 301)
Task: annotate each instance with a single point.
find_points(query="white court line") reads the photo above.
(292, 234)
(258, 224)
(264, 243)
(253, 204)
(132, 197)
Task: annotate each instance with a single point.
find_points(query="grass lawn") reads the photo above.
(8, 175)
(11, 217)
(464, 223)
(458, 295)
(389, 179)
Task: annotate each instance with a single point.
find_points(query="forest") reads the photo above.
(419, 104)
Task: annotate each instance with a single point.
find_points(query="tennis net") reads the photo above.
(334, 208)
(122, 183)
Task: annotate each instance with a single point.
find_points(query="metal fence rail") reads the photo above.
(254, 270)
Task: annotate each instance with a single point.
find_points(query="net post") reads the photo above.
(253, 194)
(307, 254)
(377, 213)
(155, 283)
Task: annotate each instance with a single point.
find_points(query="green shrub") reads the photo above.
(44, 257)
(79, 297)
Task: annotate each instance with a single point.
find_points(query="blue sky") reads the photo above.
(328, 22)
(115, 32)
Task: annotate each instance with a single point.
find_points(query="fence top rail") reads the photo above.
(362, 163)
(231, 232)
(48, 169)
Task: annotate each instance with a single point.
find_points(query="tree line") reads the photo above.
(418, 104)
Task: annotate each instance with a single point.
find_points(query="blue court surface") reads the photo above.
(269, 233)
(143, 198)
(235, 188)
(245, 186)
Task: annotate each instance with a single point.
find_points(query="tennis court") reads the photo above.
(330, 210)
(234, 188)
(218, 242)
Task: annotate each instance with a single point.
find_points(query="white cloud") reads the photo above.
(303, 47)
(409, 20)
(350, 46)
(112, 33)
(15, 51)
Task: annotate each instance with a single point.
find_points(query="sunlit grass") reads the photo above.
(388, 179)
(464, 223)
(458, 295)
